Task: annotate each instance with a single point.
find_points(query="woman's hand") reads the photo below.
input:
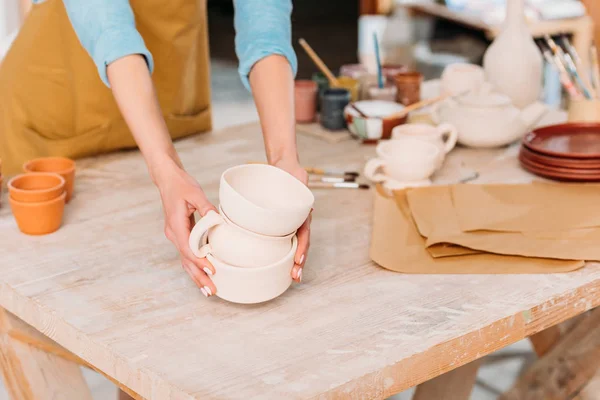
(181, 196)
(294, 168)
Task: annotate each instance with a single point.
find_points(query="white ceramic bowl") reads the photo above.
(234, 245)
(253, 285)
(264, 199)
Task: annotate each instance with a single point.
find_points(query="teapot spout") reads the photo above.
(531, 114)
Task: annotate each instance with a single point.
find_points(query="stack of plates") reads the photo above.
(567, 152)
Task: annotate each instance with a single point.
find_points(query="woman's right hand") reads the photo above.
(181, 196)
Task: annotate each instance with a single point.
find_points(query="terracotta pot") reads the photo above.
(34, 187)
(65, 167)
(409, 87)
(305, 100)
(39, 218)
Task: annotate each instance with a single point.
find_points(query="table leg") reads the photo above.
(454, 385)
(33, 374)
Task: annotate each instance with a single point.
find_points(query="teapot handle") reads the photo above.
(210, 220)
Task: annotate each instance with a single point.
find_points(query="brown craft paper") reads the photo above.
(397, 245)
(524, 208)
(436, 219)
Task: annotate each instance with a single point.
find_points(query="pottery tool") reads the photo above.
(378, 60)
(572, 51)
(331, 179)
(318, 62)
(567, 62)
(324, 171)
(342, 185)
(595, 69)
(362, 114)
(565, 78)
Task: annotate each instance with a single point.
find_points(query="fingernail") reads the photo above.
(301, 259)
(300, 275)
(208, 271)
(204, 292)
(208, 290)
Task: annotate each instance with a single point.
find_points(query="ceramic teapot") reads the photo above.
(487, 119)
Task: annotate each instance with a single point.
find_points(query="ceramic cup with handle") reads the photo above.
(215, 234)
(444, 136)
(403, 160)
(253, 285)
(264, 199)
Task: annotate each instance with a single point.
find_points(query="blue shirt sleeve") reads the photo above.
(263, 28)
(106, 29)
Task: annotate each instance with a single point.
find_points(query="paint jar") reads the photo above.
(408, 85)
(354, 71)
(333, 102)
(350, 84)
(390, 71)
(305, 100)
(322, 85)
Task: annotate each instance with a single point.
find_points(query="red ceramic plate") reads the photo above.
(573, 140)
(561, 162)
(558, 175)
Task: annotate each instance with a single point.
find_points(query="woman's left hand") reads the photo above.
(294, 168)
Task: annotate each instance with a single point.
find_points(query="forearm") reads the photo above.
(272, 83)
(136, 97)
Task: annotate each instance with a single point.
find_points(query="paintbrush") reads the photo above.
(319, 63)
(565, 79)
(341, 185)
(362, 114)
(378, 59)
(568, 63)
(595, 69)
(577, 61)
(323, 171)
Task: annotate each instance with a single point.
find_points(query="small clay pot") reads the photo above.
(409, 87)
(39, 218)
(323, 84)
(65, 167)
(333, 102)
(35, 187)
(305, 100)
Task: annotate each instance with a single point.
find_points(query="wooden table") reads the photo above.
(581, 28)
(107, 291)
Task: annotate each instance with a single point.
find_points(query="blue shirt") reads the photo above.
(106, 29)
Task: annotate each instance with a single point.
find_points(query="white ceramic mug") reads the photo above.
(403, 160)
(253, 285)
(444, 136)
(215, 234)
(265, 199)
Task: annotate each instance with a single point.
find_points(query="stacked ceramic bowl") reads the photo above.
(252, 241)
(37, 197)
(566, 152)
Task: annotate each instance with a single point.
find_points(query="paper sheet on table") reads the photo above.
(397, 245)
(540, 207)
(436, 219)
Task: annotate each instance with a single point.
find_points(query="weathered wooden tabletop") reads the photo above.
(109, 287)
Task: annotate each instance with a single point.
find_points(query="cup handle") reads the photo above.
(204, 251)
(210, 220)
(451, 134)
(371, 168)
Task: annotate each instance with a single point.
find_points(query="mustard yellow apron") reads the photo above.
(52, 101)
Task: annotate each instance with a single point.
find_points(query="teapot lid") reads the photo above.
(484, 100)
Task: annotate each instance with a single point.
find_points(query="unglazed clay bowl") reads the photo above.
(65, 167)
(235, 245)
(36, 187)
(39, 218)
(253, 285)
(264, 199)
(377, 125)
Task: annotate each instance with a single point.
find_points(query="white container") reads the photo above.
(253, 285)
(235, 245)
(265, 199)
(513, 63)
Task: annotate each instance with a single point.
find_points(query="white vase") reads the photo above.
(513, 63)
